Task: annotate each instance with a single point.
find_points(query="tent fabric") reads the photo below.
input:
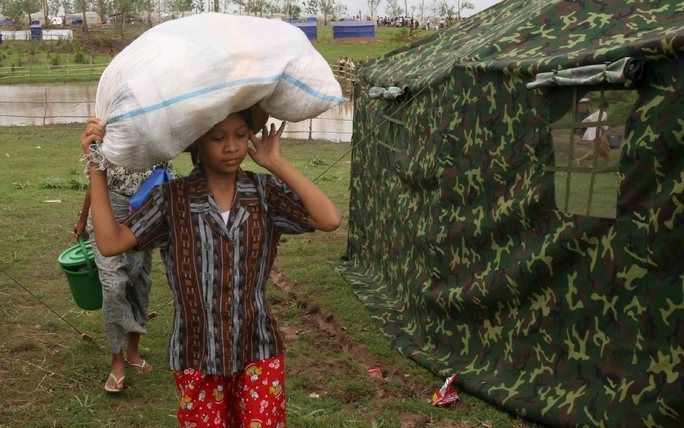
(625, 71)
(455, 242)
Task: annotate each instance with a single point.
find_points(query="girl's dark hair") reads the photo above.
(194, 156)
(247, 117)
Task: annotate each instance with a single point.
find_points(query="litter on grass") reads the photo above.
(376, 372)
(446, 394)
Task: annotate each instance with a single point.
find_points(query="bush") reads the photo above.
(316, 161)
(79, 58)
(52, 182)
(78, 183)
(55, 61)
(402, 34)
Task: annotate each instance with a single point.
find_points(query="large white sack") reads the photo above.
(178, 79)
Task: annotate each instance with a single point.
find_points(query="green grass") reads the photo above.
(387, 40)
(54, 379)
(45, 61)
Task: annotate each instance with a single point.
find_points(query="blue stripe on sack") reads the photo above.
(309, 90)
(301, 85)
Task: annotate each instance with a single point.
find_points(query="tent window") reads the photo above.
(587, 142)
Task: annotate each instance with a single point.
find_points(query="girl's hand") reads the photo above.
(266, 152)
(92, 133)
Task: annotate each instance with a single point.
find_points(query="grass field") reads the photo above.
(52, 378)
(69, 61)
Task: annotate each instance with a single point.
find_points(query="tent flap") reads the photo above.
(625, 71)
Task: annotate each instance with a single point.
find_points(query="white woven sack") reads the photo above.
(178, 79)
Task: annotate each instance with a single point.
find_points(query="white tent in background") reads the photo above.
(35, 16)
(91, 17)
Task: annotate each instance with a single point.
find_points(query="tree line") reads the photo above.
(123, 10)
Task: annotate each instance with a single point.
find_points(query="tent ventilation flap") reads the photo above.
(625, 71)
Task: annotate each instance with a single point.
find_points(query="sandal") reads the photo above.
(117, 382)
(139, 367)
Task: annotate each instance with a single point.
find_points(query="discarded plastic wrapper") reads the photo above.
(446, 393)
(375, 373)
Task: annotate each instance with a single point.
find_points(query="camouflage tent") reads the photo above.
(462, 242)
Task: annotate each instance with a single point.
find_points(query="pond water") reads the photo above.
(41, 104)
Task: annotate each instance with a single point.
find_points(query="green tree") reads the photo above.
(240, 4)
(147, 6)
(339, 10)
(291, 8)
(311, 7)
(452, 11)
(123, 8)
(327, 8)
(82, 6)
(179, 6)
(373, 8)
(14, 9)
(393, 9)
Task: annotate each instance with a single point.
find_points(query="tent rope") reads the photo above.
(154, 313)
(84, 336)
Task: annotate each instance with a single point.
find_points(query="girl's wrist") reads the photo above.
(277, 166)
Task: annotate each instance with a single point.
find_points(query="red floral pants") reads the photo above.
(254, 398)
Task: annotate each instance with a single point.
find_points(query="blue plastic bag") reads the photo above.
(158, 176)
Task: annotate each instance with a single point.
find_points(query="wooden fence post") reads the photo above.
(45, 104)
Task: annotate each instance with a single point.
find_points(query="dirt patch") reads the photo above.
(343, 378)
(329, 332)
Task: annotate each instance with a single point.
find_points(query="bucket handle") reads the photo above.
(91, 269)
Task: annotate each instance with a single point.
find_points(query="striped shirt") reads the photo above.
(218, 271)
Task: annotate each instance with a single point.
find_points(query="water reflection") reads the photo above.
(22, 105)
(335, 124)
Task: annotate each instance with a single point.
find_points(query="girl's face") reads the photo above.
(224, 147)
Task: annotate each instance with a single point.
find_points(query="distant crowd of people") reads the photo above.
(410, 22)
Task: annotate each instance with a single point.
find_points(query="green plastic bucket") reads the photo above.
(78, 263)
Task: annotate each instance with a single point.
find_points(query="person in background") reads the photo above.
(126, 281)
(593, 133)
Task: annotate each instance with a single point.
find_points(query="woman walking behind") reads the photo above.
(126, 280)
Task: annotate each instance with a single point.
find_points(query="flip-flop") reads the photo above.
(140, 368)
(117, 382)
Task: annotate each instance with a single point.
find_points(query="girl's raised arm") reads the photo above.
(323, 214)
(111, 238)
